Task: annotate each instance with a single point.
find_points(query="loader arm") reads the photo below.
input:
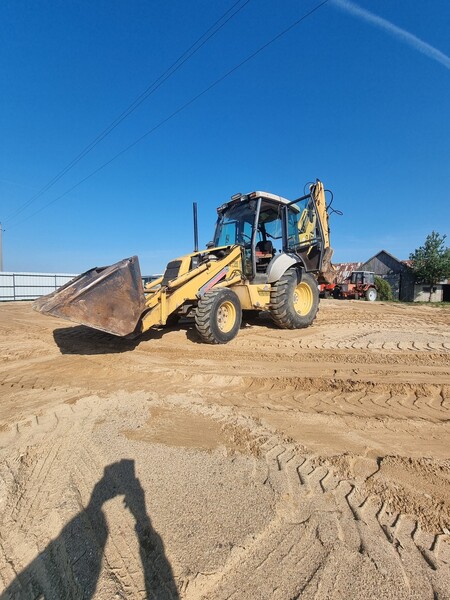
(112, 299)
(191, 284)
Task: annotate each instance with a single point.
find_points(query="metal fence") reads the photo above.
(28, 286)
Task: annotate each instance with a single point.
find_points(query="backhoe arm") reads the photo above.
(327, 271)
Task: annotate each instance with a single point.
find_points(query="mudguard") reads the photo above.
(280, 264)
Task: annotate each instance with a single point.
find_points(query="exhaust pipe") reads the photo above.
(194, 208)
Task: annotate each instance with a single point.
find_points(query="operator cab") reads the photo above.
(265, 226)
(363, 278)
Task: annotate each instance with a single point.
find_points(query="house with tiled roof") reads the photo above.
(342, 271)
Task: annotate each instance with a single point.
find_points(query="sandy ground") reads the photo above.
(286, 464)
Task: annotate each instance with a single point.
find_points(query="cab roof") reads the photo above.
(269, 196)
(253, 195)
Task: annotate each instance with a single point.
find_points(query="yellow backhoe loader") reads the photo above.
(266, 254)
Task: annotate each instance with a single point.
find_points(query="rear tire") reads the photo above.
(294, 300)
(218, 316)
(371, 294)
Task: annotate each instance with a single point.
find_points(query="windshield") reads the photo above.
(235, 225)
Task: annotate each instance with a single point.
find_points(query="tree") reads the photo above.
(384, 289)
(431, 262)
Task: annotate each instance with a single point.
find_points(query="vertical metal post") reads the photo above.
(254, 234)
(14, 286)
(194, 207)
(285, 230)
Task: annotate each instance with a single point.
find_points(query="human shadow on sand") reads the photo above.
(69, 567)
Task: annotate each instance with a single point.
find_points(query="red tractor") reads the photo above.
(360, 284)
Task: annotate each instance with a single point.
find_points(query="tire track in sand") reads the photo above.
(328, 531)
(325, 529)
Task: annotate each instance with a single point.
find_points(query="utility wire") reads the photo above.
(151, 89)
(180, 109)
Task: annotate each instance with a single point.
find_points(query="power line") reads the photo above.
(151, 89)
(180, 109)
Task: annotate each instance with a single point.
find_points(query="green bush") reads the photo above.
(384, 289)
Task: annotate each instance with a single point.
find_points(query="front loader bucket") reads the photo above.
(107, 298)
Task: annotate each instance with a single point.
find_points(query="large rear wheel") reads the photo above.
(294, 300)
(218, 316)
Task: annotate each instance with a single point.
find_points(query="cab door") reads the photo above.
(303, 234)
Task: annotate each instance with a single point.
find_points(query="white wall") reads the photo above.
(422, 293)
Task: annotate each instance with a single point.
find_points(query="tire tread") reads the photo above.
(203, 316)
(280, 308)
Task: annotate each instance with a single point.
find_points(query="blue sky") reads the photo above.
(357, 95)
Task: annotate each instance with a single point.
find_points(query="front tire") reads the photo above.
(294, 300)
(371, 295)
(337, 293)
(218, 316)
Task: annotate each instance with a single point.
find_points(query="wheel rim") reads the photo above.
(303, 299)
(226, 316)
(372, 295)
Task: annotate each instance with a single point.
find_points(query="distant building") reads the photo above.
(396, 272)
(439, 292)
